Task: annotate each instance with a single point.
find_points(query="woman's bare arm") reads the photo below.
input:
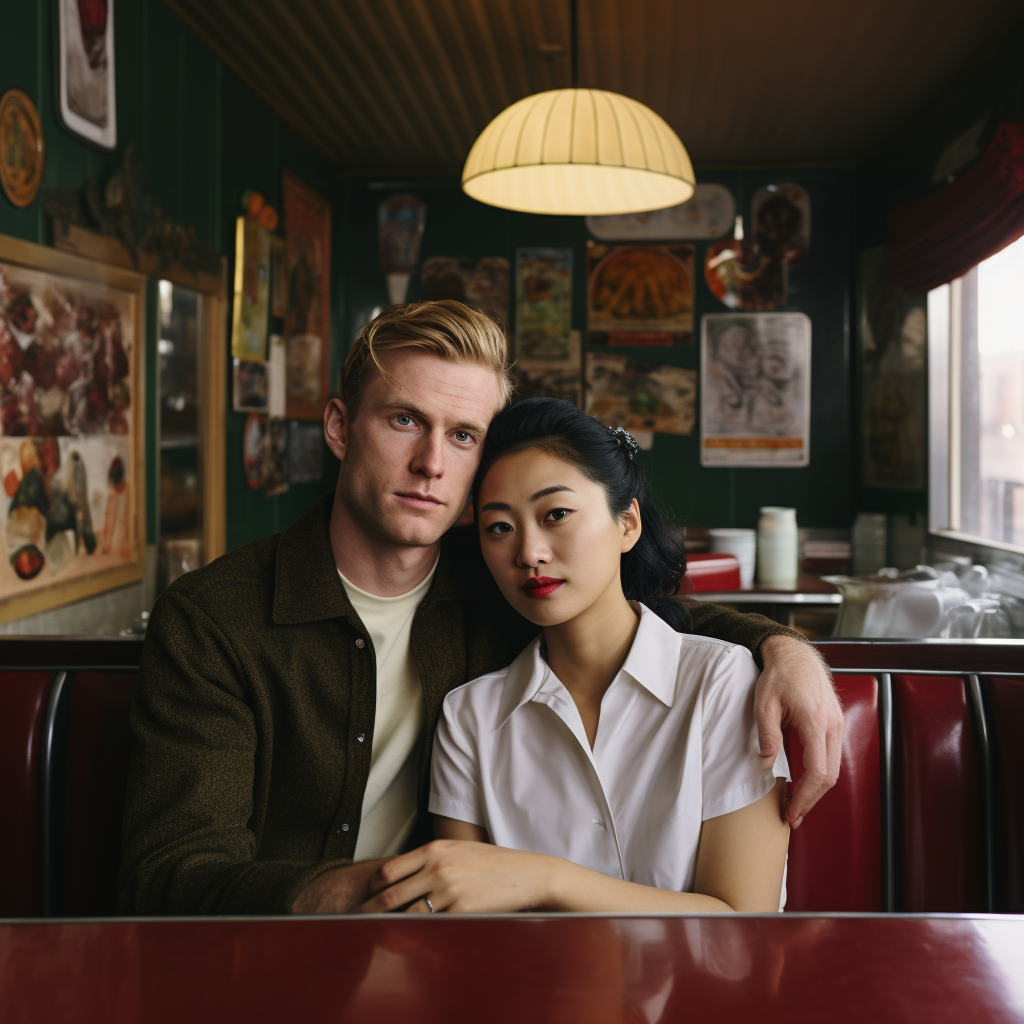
(739, 868)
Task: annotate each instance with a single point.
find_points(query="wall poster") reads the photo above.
(307, 323)
(72, 499)
(894, 379)
(482, 283)
(85, 62)
(639, 294)
(755, 389)
(252, 291)
(543, 304)
(639, 396)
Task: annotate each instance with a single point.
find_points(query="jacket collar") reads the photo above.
(307, 587)
(653, 662)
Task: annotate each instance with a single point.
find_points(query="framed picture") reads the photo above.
(72, 500)
(252, 291)
(307, 322)
(639, 294)
(755, 401)
(641, 397)
(85, 70)
(544, 305)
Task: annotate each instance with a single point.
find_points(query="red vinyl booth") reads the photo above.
(928, 813)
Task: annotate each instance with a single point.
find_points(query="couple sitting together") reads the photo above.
(529, 691)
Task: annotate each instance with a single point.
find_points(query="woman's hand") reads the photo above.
(461, 877)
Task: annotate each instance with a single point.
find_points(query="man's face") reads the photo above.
(409, 456)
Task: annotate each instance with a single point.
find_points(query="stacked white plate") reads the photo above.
(738, 542)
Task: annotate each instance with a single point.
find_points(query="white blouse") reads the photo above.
(676, 744)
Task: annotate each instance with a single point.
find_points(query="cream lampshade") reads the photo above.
(578, 151)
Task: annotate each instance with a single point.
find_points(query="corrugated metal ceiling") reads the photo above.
(408, 84)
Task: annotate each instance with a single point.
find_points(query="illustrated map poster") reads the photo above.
(639, 396)
(307, 322)
(639, 294)
(755, 389)
(543, 304)
(68, 391)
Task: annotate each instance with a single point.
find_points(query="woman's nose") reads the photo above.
(533, 551)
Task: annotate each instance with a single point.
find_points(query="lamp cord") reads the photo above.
(574, 50)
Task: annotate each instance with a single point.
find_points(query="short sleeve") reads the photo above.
(455, 772)
(734, 775)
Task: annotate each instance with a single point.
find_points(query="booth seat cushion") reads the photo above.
(23, 697)
(938, 796)
(98, 748)
(835, 857)
(1004, 699)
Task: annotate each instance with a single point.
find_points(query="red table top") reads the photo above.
(522, 968)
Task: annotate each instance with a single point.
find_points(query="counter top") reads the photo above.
(810, 589)
(788, 968)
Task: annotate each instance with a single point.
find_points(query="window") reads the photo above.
(976, 402)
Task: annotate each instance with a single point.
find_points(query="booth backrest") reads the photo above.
(928, 813)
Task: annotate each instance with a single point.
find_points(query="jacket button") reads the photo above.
(344, 828)
(360, 643)
(361, 737)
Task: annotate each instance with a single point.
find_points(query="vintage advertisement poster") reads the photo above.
(708, 213)
(69, 456)
(544, 305)
(85, 78)
(755, 389)
(480, 283)
(639, 396)
(252, 291)
(894, 379)
(307, 322)
(639, 294)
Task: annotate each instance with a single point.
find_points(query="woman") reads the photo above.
(613, 766)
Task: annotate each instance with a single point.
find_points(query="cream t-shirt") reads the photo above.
(389, 800)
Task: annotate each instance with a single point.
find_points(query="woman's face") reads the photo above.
(549, 538)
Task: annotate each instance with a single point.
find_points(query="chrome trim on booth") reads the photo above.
(888, 838)
(974, 696)
(46, 810)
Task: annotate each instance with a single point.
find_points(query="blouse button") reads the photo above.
(360, 643)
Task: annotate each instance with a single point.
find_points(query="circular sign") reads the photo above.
(21, 147)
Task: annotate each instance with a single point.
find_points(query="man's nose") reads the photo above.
(428, 459)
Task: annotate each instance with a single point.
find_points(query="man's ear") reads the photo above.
(337, 423)
(631, 526)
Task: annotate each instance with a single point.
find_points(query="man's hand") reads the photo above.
(339, 890)
(461, 877)
(795, 689)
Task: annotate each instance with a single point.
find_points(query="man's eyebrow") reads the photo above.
(550, 490)
(413, 410)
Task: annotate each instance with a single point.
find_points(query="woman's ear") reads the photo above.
(632, 526)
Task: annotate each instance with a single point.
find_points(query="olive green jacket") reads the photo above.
(253, 720)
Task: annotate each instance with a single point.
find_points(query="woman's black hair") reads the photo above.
(653, 569)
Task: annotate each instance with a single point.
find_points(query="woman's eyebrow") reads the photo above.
(496, 506)
(550, 490)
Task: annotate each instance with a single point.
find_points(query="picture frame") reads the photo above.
(72, 449)
(307, 322)
(86, 93)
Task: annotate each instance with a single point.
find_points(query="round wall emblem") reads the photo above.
(21, 147)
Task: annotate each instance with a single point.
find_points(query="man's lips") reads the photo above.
(541, 586)
(419, 500)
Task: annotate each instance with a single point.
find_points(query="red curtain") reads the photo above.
(940, 237)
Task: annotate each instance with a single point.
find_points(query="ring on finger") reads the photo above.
(430, 906)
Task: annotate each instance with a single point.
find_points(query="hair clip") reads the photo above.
(625, 440)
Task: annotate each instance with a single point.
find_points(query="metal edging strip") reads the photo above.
(46, 810)
(888, 838)
(974, 695)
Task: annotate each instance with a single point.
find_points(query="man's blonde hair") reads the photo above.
(444, 327)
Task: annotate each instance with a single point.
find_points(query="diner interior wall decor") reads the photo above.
(819, 286)
(205, 138)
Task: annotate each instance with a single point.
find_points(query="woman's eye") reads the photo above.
(557, 514)
(499, 528)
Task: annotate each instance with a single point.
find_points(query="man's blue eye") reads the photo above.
(403, 419)
(462, 436)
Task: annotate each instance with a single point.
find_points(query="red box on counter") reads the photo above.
(711, 570)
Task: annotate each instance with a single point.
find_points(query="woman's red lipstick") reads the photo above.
(541, 586)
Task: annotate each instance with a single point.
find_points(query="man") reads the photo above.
(290, 690)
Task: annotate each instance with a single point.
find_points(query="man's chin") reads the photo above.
(418, 531)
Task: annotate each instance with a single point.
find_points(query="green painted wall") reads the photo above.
(205, 138)
(819, 286)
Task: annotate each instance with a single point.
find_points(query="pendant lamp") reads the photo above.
(578, 151)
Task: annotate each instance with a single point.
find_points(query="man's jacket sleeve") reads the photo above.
(741, 628)
(188, 846)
